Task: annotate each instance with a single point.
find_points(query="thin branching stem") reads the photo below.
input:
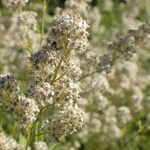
(31, 130)
(43, 22)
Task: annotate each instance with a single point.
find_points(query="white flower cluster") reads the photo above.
(53, 53)
(40, 145)
(78, 5)
(140, 32)
(14, 3)
(8, 83)
(24, 28)
(124, 114)
(71, 29)
(84, 9)
(69, 90)
(28, 20)
(98, 82)
(125, 46)
(7, 143)
(56, 68)
(43, 93)
(74, 67)
(110, 124)
(23, 109)
(105, 63)
(68, 120)
(69, 34)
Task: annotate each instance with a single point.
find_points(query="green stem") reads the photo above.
(130, 138)
(87, 75)
(64, 55)
(1, 129)
(53, 146)
(56, 70)
(14, 129)
(31, 130)
(43, 22)
(36, 131)
(115, 58)
(61, 76)
(40, 134)
(1, 122)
